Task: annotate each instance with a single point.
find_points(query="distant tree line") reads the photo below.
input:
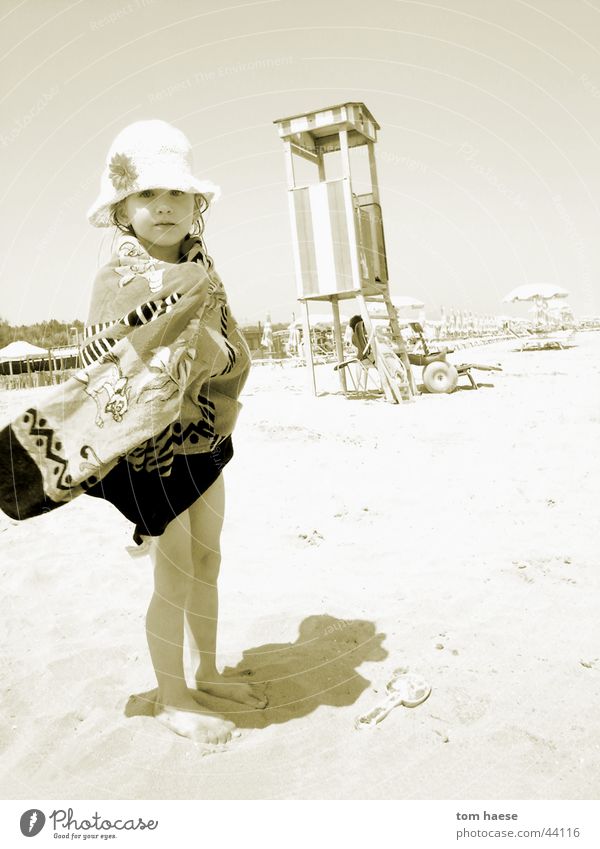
(56, 334)
(46, 334)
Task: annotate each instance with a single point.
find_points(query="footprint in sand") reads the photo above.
(556, 568)
(314, 538)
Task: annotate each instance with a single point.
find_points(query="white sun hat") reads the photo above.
(147, 155)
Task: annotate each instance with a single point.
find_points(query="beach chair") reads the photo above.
(393, 378)
(376, 353)
(365, 361)
(547, 340)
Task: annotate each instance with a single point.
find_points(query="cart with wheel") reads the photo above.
(438, 374)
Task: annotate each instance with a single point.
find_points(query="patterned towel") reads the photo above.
(164, 364)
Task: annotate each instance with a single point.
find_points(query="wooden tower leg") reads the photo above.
(339, 346)
(308, 348)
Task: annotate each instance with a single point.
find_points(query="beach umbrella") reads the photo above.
(535, 292)
(540, 294)
(407, 302)
(400, 302)
(293, 340)
(318, 320)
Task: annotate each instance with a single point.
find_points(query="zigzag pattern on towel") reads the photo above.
(204, 428)
(197, 254)
(207, 408)
(196, 429)
(43, 433)
(231, 352)
(154, 454)
(157, 453)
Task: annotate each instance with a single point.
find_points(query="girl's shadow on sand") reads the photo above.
(319, 668)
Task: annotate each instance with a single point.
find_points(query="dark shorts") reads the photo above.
(151, 501)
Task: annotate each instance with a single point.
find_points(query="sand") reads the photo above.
(456, 536)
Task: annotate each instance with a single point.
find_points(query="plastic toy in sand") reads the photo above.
(403, 690)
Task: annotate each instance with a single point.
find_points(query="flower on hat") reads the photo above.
(121, 172)
(144, 155)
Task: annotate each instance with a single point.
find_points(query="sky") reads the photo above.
(488, 154)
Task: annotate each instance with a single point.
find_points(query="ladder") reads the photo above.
(390, 354)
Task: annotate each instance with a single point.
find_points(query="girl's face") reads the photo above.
(161, 219)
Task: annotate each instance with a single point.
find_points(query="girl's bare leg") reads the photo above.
(175, 706)
(202, 604)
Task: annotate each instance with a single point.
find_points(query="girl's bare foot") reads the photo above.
(234, 689)
(186, 717)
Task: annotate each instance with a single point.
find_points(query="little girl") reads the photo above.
(147, 423)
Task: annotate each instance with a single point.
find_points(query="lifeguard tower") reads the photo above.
(338, 241)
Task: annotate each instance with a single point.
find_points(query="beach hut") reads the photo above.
(21, 357)
(20, 350)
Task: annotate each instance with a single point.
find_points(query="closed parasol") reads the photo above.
(293, 340)
(267, 335)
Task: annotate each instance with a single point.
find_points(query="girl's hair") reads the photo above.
(200, 207)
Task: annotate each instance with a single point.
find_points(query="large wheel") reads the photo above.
(440, 377)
